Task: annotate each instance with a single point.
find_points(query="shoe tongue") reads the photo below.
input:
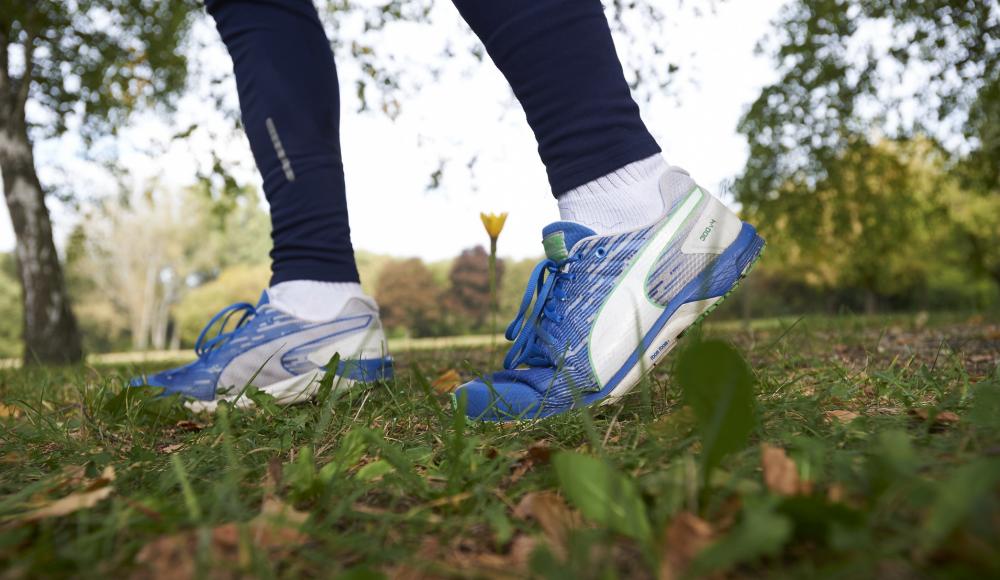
(264, 299)
(560, 237)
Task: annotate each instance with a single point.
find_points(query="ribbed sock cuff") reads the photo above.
(626, 198)
(313, 300)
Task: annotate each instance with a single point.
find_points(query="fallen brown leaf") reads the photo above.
(538, 453)
(447, 382)
(469, 556)
(840, 415)
(9, 411)
(95, 492)
(939, 420)
(12, 457)
(947, 417)
(187, 425)
(67, 505)
(168, 449)
(780, 474)
(686, 537)
(276, 531)
(556, 519)
(521, 548)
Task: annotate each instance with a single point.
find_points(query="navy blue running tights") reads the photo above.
(557, 56)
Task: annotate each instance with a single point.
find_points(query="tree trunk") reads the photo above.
(871, 302)
(50, 332)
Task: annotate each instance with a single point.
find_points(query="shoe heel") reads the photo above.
(366, 370)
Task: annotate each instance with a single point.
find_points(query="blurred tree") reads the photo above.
(409, 298)
(95, 60)
(142, 277)
(874, 223)
(91, 63)
(468, 297)
(237, 283)
(865, 67)
(978, 217)
(852, 74)
(130, 285)
(511, 287)
(370, 267)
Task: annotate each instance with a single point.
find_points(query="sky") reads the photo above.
(466, 111)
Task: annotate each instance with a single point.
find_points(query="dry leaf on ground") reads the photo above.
(780, 474)
(553, 515)
(686, 537)
(467, 556)
(447, 382)
(840, 415)
(9, 411)
(947, 417)
(940, 420)
(538, 453)
(95, 492)
(276, 531)
(12, 457)
(429, 551)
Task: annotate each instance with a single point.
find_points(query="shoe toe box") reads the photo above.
(500, 400)
(185, 381)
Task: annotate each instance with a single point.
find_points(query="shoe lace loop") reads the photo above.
(532, 341)
(204, 345)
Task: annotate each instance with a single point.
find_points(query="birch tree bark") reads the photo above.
(50, 331)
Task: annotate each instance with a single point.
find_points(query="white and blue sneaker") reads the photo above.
(607, 308)
(277, 353)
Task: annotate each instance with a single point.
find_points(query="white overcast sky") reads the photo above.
(467, 112)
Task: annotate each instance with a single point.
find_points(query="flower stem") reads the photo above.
(493, 298)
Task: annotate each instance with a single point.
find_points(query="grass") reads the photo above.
(872, 451)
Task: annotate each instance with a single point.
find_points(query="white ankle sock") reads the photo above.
(313, 300)
(622, 200)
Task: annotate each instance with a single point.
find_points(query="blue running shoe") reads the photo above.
(278, 353)
(607, 308)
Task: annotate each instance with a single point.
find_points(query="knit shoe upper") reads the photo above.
(278, 352)
(600, 310)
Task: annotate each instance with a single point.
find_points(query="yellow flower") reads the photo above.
(493, 223)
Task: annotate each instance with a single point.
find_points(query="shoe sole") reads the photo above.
(686, 316)
(290, 391)
(302, 388)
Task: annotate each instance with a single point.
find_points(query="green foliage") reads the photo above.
(387, 478)
(761, 532)
(969, 490)
(409, 298)
(854, 191)
(130, 290)
(985, 411)
(603, 494)
(104, 58)
(512, 285)
(718, 385)
(467, 301)
(370, 268)
(239, 283)
(836, 61)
